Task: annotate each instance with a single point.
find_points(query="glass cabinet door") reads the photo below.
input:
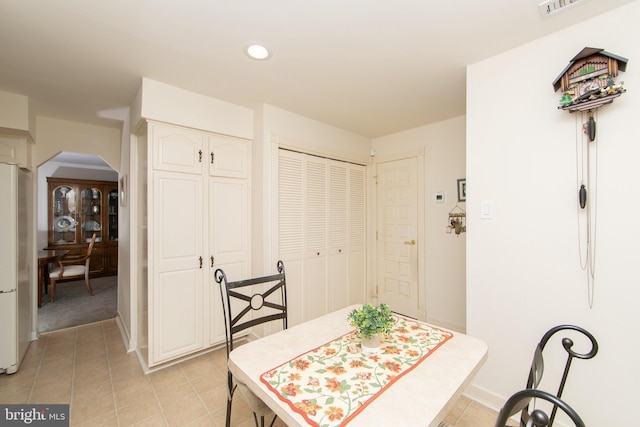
(113, 214)
(91, 199)
(65, 215)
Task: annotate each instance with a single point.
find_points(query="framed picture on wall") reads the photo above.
(462, 190)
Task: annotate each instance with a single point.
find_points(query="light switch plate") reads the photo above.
(486, 209)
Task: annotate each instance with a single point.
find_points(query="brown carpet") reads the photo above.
(74, 306)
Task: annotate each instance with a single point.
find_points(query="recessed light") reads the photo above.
(257, 51)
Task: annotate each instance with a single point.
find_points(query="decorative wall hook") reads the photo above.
(457, 221)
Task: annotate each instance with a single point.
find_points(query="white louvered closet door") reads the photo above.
(338, 234)
(357, 235)
(291, 229)
(315, 233)
(321, 233)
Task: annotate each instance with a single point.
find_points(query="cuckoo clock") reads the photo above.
(588, 81)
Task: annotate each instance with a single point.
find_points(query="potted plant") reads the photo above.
(371, 323)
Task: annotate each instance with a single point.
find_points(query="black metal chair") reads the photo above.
(246, 303)
(537, 365)
(520, 401)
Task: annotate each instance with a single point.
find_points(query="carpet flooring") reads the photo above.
(74, 306)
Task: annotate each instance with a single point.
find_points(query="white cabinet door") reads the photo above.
(176, 149)
(176, 251)
(198, 220)
(177, 316)
(229, 242)
(228, 157)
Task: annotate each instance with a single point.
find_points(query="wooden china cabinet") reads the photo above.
(79, 208)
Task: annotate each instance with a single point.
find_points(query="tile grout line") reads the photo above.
(197, 394)
(113, 394)
(35, 377)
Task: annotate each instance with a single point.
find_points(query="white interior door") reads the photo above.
(397, 235)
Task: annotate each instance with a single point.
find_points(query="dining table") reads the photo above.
(315, 373)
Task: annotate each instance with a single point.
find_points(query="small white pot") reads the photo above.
(371, 345)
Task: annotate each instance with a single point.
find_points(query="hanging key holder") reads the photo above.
(457, 221)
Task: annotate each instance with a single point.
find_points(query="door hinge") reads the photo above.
(212, 260)
(213, 157)
(200, 156)
(376, 235)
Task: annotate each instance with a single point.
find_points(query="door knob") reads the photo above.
(410, 242)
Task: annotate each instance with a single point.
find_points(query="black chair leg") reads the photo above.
(228, 422)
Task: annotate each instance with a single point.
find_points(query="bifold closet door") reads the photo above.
(321, 232)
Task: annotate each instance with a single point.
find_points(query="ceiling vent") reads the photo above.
(551, 7)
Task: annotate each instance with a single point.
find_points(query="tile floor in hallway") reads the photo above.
(88, 368)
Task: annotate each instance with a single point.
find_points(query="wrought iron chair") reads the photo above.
(537, 366)
(72, 266)
(246, 303)
(520, 401)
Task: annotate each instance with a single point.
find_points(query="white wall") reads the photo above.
(289, 129)
(159, 101)
(55, 136)
(523, 269)
(444, 254)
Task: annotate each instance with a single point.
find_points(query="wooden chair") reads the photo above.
(246, 303)
(521, 401)
(72, 266)
(537, 366)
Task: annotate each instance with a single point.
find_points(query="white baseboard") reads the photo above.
(485, 397)
(129, 343)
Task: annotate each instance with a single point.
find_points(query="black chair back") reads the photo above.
(246, 303)
(537, 417)
(537, 366)
(244, 307)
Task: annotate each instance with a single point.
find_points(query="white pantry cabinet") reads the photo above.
(198, 220)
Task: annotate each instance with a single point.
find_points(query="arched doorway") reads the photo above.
(73, 305)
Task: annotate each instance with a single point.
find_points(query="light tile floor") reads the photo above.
(88, 368)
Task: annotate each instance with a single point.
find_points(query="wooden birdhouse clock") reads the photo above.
(588, 83)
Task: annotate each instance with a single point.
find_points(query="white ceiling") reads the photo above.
(373, 67)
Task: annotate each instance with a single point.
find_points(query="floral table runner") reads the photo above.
(331, 384)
